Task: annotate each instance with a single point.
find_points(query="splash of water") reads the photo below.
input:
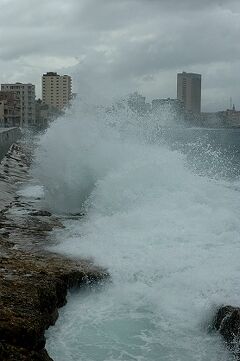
(170, 238)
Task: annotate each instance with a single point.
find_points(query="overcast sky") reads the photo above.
(114, 47)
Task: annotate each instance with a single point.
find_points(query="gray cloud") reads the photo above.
(113, 47)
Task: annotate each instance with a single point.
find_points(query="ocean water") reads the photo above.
(162, 214)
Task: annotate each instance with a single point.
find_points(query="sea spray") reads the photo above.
(169, 237)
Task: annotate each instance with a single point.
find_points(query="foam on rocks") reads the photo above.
(33, 282)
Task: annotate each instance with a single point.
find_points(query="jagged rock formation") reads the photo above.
(227, 322)
(32, 288)
(33, 282)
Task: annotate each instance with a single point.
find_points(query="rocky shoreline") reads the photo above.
(227, 323)
(33, 282)
(33, 287)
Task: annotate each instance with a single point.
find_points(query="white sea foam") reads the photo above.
(170, 239)
(31, 191)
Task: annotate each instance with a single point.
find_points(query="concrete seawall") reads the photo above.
(7, 137)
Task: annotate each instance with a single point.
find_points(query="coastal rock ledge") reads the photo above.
(227, 323)
(33, 282)
(32, 288)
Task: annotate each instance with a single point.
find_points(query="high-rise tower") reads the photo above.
(189, 91)
(56, 90)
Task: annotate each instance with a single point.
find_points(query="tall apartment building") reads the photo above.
(189, 91)
(25, 94)
(56, 90)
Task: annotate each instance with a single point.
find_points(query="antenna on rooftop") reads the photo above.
(230, 103)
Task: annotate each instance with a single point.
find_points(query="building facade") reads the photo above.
(45, 114)
(175, 105)
(137, 103)
(56, 90)
(230, 117)
(189, 91)
(25, 96)
(9, 110)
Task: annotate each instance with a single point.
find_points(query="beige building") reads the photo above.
(56, 90)
(25, 94)
(189, 91)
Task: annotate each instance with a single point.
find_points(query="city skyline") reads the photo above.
(113, 48)
(228, 103)
(39, 94)
(19, 106)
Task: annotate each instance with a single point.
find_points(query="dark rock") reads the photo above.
(9, 352)
(80, 214)
(18, 204)
(33, 282)
(41, 213)
(33, 287)
(5, 234)
(227, 323)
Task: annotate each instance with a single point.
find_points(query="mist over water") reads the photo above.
(162, 218)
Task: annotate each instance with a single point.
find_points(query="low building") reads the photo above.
(208, 120)
(169, 110)
(168, 104)
(137, 103)
(230, 117)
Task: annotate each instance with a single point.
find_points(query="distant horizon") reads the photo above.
(206, 109)
(115, 47)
